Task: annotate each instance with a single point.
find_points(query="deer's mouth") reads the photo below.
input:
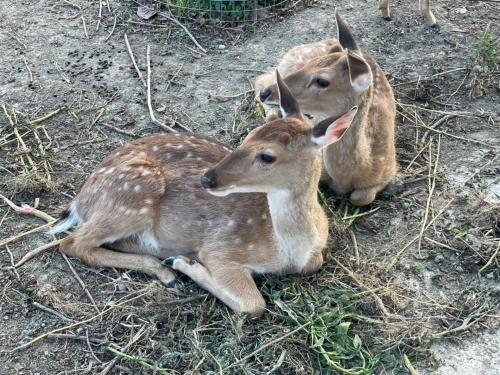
(222, 191)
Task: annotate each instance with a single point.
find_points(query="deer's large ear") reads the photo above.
(345, 37)
(288, 104)
(360, 72)
(332, 129)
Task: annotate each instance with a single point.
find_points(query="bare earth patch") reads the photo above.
(423, 290)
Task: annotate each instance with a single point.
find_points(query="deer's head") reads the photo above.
(329, 84)
(278, 155)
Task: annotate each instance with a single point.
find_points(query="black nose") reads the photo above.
(264, 94)
(208, 180)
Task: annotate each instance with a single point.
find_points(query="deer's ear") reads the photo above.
(332, 129)
(345, 37)
(288, 104)
(360, 73)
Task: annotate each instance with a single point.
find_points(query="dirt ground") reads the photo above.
(427, 299)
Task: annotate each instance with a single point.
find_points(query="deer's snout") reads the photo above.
(264, 94)
(208, 180)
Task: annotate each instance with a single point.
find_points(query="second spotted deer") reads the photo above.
(327, 78)
(189, 203)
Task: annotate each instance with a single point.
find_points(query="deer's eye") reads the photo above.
(321, 82)
(266, 158)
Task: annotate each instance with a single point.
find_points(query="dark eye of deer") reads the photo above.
(322, 82)
(266, 158)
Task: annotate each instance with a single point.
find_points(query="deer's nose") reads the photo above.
(264, 94)
(208, 180)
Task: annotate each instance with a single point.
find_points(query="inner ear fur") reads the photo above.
(360, 72)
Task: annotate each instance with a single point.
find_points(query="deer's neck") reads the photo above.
(300, 225)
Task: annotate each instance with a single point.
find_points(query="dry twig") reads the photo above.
(148, 86)
(130, 53)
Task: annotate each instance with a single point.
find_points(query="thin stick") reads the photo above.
(163, 14)
(409, 366)
(490, 261)
(99, 16)
(400, 252)
(435, 125)
(73, 325)
(84, 27)
(432, 185)
(36, 252)
(28, 68)
(47, 116)
(21, 235)
(225, 98)
(13, 268)
(354, 244)
(268, 344)
(87, 340)
(122, 353)
(420, 79)
(74, 337)
(80, 281)
(148, 87)
(377, 299)
(53, 312)
(130, 134)
(25, 209)
(113, 29)
(130, 53)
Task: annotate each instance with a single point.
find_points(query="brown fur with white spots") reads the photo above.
(424, 7)
(148, 202)
(339, 77)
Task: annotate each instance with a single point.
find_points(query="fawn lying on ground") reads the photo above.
(327, 78)
(146, 202)
(424, 6)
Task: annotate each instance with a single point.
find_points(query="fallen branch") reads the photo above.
(36, 252)
(167, 16)
(130, 53)
(148, 86)
(25, 209)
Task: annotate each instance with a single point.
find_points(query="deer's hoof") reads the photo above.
(169, 261)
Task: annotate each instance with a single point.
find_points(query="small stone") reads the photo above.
(461, 10)
(222, 46)
(439, 258)
(459, 269)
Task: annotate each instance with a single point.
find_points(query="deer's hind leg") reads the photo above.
(426, 11)
(228, 281)
(384, 7)
(86, 244)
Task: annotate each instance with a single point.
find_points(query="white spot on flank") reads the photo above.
(142, 154)
(198, 158)
(137, 188)
(110, 170)
(249, 221)
(179, 146)
(102, 170)
(189, 154)
(125, 168)
(121, 176)
(264, 217)
(251, 246)
(143, 210)
(169, 145)
(128, 211)
(148, 201)
(121, 208)
(146, 172)
(230, 223)
(155, 148)
(177, 134)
